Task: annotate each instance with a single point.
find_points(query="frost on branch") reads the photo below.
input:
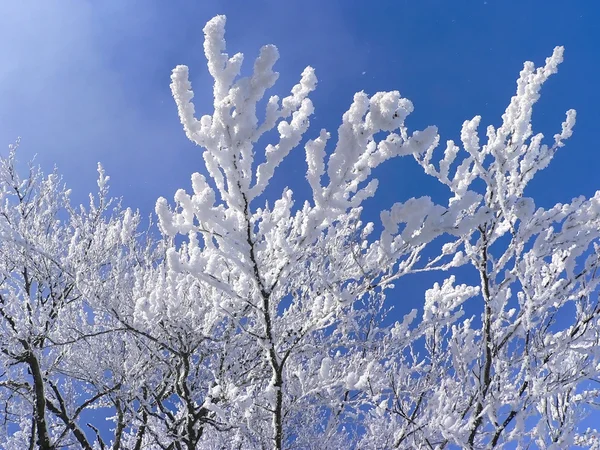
(229, 135)
(357, 152)
(513, 153)
(291, 279)
(519, 371)
(61, 267)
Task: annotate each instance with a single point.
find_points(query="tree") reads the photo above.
(58, 265)
(301, 288)
(526, 372)
(255, 324)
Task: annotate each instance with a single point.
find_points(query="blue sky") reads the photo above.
(84, 81)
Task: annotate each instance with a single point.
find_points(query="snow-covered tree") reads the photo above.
(521, 370)
(58, 264)
(299, 289)
(304, 286)
(257, 322)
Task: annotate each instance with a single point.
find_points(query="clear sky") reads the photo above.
(83, 81)
(86, 81)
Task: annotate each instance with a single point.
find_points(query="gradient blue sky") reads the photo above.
(85, 81)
